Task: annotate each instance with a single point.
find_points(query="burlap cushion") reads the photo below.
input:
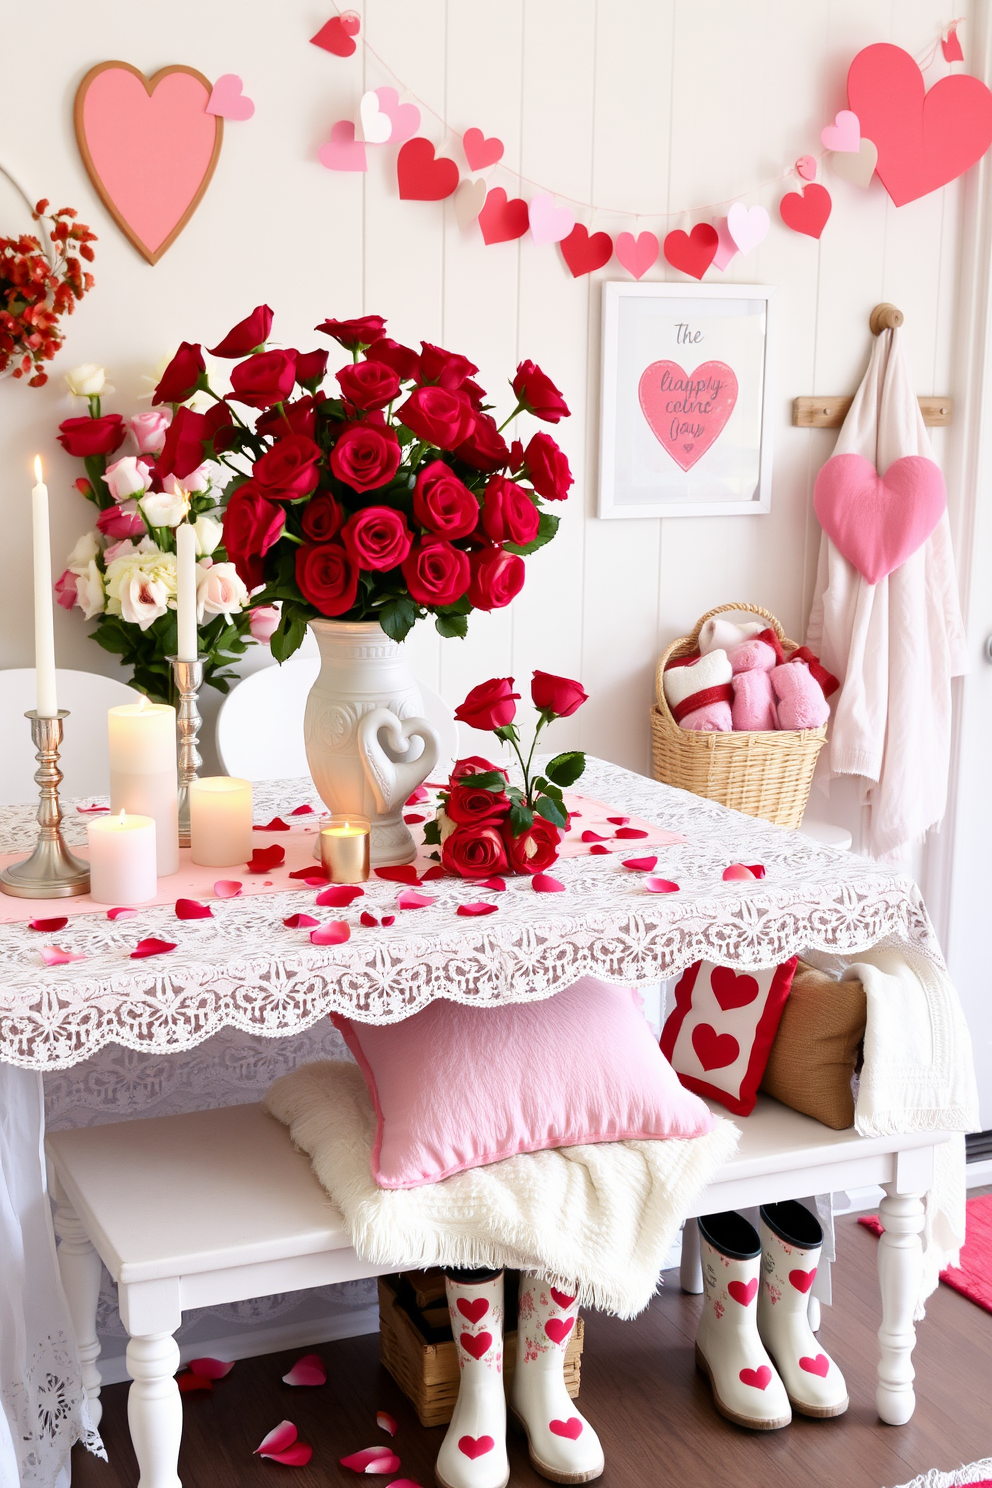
(816, 1047)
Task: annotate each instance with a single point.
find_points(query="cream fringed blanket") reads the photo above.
(599, 1218)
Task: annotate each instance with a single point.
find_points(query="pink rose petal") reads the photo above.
(309, 1370)
(403, 1483)
(543, 883)
(388, 1423)
(591, 836)
(372, 1460)
(211, 1368)
(661, 886)
(481, 908)
(598, 847)
(640, 865)
(56, 956)
(735, 871)
(120, 914)
(188, 1382)
(618, 821)
(228, 888)
(404, 873)
(419, 795)
(335, 932)
(51, 926)
(339, 896)
(302, 811)
(152, 947)
(298, 1455)
(263, 859)
(91, 810)
(278, 1439)
(190, 909)
(432, 873)
(275, 825)
(626, 832)
(498, 885)
(758, 869)
(412, 818)
(300, 922)
(410, 899)
(314, 874)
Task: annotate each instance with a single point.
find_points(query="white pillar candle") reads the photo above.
(122, 859)
(187, 647)
(144, 777)
(220, 821)
(46, 702)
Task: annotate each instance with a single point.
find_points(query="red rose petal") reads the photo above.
(481, 908)
(372, 1460)
(56, 956)
(278, 1439)
(412, 818)
(404, 873)
(309, 1370)
(300, 922)
(388, 920)
(590, 836)
(263, 859)
(498, 885)
(339, 896)
(618, 821)
(758, 869)
(432, 873)
(91, 810)
(190, 909)
(51, 925)
(302, 811)
(368, 919)
(640, 865)
(212, 1368)
(543, 883)
(275, 825)
(315, 872)
(388, 1423)
(188, 1382)
(419, 795)
(626, 832)
(661, 886)
(736, 871)
(298, 1455)
(120, 914)
(335, 932)
(151, 946)
(410, 899)
(228, 888)
(598, 847)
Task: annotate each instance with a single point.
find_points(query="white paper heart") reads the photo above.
(376, 125)
(548, 223)
(470, 198)
(856, 168)
(747, 226)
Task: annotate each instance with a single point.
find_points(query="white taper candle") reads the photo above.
(46, 700)
(187, 647)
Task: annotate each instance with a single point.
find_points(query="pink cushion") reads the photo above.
(721, 1030)
(456, 1087)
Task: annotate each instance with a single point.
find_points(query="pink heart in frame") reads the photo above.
(706, 398)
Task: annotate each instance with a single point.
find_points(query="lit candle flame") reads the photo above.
(39, 477)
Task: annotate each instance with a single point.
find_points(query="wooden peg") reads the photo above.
(885, 317)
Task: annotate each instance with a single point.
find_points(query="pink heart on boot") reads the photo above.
(558, 1329)
(572, 1428)
(562, 1298)
(820, 1365)
(476, 1344)
(759, 1378)
(878, 521)
(802, 1280)
(475, 1446)
(475, 1310)
(743, 1293)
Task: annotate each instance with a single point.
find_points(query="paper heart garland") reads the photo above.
(385, 120)
(710, 390)
(149, 146)
(336, 35)
(639, 254)
(878, 521)
(843, 134)
(480, 152)
(726, 248)
(501, 220)
(692, 252)
(584, 253)
(343, 152)
(548, 223)
(806, 167)
(806, 211)
(420, 176)
(747, 226)
(228, 99)
(924, 139)
(470, 198)
(859, 168)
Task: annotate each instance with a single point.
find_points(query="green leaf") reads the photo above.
(432, 833)
(451, 625)
(521, 818)
(289, 634)
(566, 768)
(397, 618)
(546, 530)
(490, 780)
(552, 811)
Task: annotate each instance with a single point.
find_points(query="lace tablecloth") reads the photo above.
(244, 969)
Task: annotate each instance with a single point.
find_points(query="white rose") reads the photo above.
(208, 533)
(219, 591)
(127, 477)
(165, 508)
(445, 825)
(89, 590)
(139, 586)
(200, 478)
(88, 381)
(83, 553)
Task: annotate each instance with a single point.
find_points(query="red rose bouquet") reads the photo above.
(387, 496)
(485, 825)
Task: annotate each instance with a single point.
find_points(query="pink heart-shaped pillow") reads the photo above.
(878, 521)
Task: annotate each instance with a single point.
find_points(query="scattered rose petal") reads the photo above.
(661, 886)
(626, 832)
(758, 869)
(152, 947)
(335, 932)
(302, 811)
(618, 821)
(315, 872)
(436, 872)
(191, 909)
(212, 1368)
(309, 1370)
(120, 914)
(736, 870)
(640, 865)
(598, 847)
(403, 1483)
(278, 1439)
(388, 1423)
(91, 810)
(419, 795)
(498, 885)
(412, 818)
(300, 922)
(267, 883)
(57, 923)
(275, 825)
(368, 919)
(298, 1455)
(410, 899)
(543, 883)
(591, 836)
(263, 859)
(404, 873)
(188, 1382)
(56, 956)
(388, 920)
(228, 888)
(480, 908)
(372, 1460)
(339, 896)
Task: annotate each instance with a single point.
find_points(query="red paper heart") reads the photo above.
(923, 139)
(191, 909)
(300, 922)
(543, 883)
(820, 1365)
(714, 1050)
(57, 923)
(692, 252)
(476, 1344)
(420, 176)
(743, 1293)
(500, 220)
(878, 521)
(404, 873)
(562, 1298)
(731, 990)
(152, 947)
(479, 151)
(572, 1428)
(806, 211)
(339, 896)
(759, 1378)
(335, 35)
(264, 859)
(481, 908)
(584, 254)
(475, 1310)
(686, 412)
(640, 865)
(802, 1280)
(558, 1329)
(475, 1446)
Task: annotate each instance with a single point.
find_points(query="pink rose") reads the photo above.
(149, 429)
(262, 622)
(65, 588)
(121, 521)
(219, 590)
(127, 477)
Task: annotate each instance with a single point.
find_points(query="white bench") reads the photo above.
(217, 1206)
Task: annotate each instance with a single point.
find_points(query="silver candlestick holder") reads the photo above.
(189, 680)
(52, 871)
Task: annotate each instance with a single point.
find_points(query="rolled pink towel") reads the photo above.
(752, 656)
(753, 707)
(801, 704)
(699, 693)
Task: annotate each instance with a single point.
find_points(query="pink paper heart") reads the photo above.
(372, 1460)
(50, 926)
(548, 223)
(387, 1423)
(339, 896)
(190, 909)
(879, 521)
(479, 151)
(300, 922)
(543, 883)
(843, 134)
(570, 1429)
(56, 956)
(404, 118)
(211, 1368)
(640, 865)
(343, 152)
(481, 908)
(228, 98)
(639, 254)
(661, 886)
(748, 226)
(806, 167)
(335, 932)
(307, 1371)
(410, 899)
(152, 946)
(120, 914)
(228, 888)
(726, 248)
(687, 411)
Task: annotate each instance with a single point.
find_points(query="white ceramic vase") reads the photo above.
(368, 745)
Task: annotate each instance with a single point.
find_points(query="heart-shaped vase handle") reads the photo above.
(392, 781)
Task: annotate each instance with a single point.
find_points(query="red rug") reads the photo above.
(973, 1278)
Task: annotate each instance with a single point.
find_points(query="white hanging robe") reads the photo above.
(896, 644)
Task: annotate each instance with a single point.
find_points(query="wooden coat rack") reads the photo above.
(830, 413)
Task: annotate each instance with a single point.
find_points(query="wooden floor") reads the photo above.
(640, 1390)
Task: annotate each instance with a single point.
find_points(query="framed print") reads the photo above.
(686, 427)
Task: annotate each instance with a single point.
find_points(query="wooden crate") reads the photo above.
(427, 1372)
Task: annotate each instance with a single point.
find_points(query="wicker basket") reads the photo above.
(427, 1371)
(766, 774)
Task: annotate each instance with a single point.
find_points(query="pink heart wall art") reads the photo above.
(150, 148)
(687, 411)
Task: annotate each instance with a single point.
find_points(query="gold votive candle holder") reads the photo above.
(344, 848)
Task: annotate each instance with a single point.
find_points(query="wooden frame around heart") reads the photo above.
(149, 84)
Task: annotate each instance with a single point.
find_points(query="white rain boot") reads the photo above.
(473, 1454)
(790, 1251)
(729, 1352)
(562, 1444)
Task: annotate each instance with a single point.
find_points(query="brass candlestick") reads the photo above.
(189, 680)
(52, 871)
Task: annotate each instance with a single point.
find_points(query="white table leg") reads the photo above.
(900, 1269)
(81, 1270)
(154, 1409)
(690, 1269)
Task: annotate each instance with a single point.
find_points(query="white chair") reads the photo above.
(84, 757)
(260, 723)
